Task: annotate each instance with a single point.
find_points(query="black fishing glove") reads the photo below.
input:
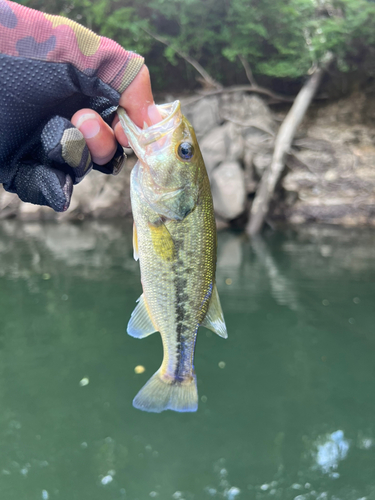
(50, 67)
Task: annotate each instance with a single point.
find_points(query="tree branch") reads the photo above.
(206, 76)
(251, 123)
(248, 71)
(217, 87)
(283, 142)
(237, 88)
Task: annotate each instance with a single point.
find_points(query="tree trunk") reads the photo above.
(283, 142)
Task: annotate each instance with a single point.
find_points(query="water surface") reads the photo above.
(287, 406)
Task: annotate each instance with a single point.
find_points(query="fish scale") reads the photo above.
(175, 240)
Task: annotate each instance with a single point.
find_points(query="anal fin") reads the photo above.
(214, 319)
(140, 324)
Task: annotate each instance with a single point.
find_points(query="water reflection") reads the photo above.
(224, 489)
(286, 407)
(331, 450)
(281, 288)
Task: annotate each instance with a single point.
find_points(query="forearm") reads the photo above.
(28, 33)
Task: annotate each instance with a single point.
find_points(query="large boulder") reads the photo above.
(213, 148)
(246, 109)
(203, 115)
(222, 143)
(228, 190)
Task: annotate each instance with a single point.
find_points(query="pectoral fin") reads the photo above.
(135, 242)
(140, 324)
(214, 319)
(162, 241)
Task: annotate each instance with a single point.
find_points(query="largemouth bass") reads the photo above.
(175, 240)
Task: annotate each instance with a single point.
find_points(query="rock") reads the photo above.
(203, 115)
(228, 190)
(257, 140)
(9, 204)
(329, 178)
(258, 149)
(221, 224)
(98, 194)
(247, 108)
(213, 148)
(313, 144)
(234, 141)
(261, 161)
(222, 143)
(334, 183)
(251, 182)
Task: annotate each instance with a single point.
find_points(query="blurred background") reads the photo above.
(237, 66)
(286, 408)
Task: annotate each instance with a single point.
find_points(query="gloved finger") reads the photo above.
(114, 166)
(43, 185)
(99, 136)
(64, 146)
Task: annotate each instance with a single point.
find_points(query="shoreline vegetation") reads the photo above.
(252, 73)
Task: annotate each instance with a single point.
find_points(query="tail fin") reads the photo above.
(158, 395)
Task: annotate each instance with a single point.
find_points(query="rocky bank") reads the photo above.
(329, 178)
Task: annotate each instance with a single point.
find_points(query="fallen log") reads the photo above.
(283, 142)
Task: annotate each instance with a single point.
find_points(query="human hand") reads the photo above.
(51, 68)
(101, 139)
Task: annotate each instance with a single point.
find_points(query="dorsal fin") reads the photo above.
(214, 319)
(140, 324)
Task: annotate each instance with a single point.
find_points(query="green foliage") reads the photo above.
(271, 35)
(279, 38)
(348, 32)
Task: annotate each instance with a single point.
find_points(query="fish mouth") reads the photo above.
(140, 138)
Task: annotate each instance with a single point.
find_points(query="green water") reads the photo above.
(287, 403)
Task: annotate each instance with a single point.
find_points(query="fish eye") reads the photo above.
(185, 150)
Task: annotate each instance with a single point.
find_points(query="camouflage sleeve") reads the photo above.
(28, 33)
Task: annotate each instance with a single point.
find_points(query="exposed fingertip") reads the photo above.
(81, 116)
(153, 114)
(99, 136)
(120, 135)
(89, 128)
(138, 100)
